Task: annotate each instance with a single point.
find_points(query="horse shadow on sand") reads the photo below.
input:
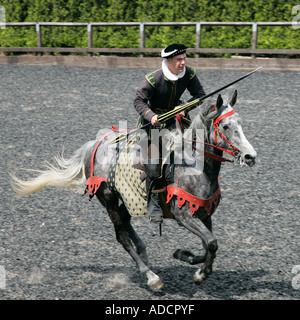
(222, 285)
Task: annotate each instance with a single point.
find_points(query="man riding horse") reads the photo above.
(160, 92)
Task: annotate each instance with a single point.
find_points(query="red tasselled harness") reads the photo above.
(93, 183)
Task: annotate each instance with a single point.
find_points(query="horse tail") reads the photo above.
(69, 173)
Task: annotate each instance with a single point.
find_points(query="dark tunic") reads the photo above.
(157, 94)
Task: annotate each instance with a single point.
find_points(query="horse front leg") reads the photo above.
(189, 257)
(197, 227)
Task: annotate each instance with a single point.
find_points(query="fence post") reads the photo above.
(2, 278)
(38, 30)
(142, 37)
(254, 38)
(198, 37)
(90, 37)
(2, 17)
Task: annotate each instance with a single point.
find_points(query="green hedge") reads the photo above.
(145, 10)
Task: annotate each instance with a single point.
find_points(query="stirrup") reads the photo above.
(156, 218)
(159, 224)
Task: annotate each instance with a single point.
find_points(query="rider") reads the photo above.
(158, 93)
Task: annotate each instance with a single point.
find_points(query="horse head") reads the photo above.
(228, 132)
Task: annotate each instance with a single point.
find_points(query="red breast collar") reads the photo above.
(195, 203)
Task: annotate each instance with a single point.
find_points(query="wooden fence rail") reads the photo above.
(253, 51)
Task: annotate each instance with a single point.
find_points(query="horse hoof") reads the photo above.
(184, 255)
(199, 277)
(155, 284)
(189, 257)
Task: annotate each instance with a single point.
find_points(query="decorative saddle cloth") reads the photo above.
(126, 180)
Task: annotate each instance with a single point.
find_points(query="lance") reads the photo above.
(168, 115)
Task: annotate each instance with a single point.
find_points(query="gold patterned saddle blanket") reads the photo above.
(125, 179)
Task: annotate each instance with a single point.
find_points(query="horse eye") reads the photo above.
(225, 127)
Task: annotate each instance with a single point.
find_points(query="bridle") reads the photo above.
(217, 132)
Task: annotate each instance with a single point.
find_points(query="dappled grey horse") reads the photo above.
(191, 199)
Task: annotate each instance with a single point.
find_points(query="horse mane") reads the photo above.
(205, 116)
(198, 130)
(203, 119)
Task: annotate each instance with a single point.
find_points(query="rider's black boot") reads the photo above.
(154, 186)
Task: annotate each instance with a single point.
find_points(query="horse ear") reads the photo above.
(219, 102)
(233, 98)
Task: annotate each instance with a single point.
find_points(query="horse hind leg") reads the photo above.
(154, 281)
(138, 242)
(125, 235)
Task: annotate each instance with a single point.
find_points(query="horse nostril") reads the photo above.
(249, 159)
(249, 156)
